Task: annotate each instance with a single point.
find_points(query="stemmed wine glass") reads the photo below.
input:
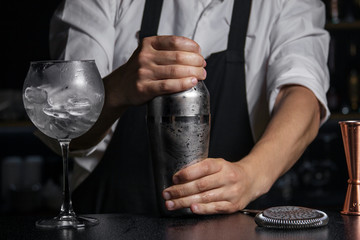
(64, 99)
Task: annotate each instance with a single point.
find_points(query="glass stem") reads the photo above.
(66, 207)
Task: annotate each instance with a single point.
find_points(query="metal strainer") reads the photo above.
(291, 217)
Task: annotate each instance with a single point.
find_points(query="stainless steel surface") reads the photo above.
(350, 131)
(179, 133)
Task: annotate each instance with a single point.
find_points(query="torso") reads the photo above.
(123, 181)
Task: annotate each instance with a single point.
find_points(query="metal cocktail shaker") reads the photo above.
(179, 132)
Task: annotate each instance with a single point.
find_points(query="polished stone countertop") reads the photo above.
(233, 226)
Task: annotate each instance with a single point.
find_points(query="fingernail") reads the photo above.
(166, 196)
(205, 73)
(205, 63)
(194, 81)
(169, 204)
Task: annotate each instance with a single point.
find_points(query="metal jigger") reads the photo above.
(350, 131)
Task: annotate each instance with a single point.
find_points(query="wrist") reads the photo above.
(261, 176)
(114, 98)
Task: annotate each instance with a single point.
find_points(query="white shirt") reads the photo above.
(285, 44)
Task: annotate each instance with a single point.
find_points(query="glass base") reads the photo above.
(67, 222)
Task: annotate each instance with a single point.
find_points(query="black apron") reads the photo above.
(123, 181)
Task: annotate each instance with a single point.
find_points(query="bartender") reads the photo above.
(263, 62)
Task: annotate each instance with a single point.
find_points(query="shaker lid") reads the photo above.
(192, 102)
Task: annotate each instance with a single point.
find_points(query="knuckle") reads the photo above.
(144, 57)
(182, 85)
(174, 40)
(181, 192)
(173, 71)
(200, 73)
(233, 176)
(225, 208)
(218, 209)
(140, 88)
(196, 47)
(164, 87)
(191, 71)
(180, 203)
(142, 73)
(201, 185)
(178, 57)
(221, 208)
(176, 192)
(206, 198)
(232, 208)
(146, 41)
(237, 189)
(206, 167)
(198, 59)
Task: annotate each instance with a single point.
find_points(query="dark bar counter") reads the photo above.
(220, 227)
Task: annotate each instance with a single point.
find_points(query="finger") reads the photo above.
(221, 207)
(174, 43)
(178, 71)
(167, 86)
(191, 188)
(201, 169)
(205, 197)
(179, 58)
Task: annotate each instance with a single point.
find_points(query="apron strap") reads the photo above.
(239, 24)
(151, 18)
(238, 30)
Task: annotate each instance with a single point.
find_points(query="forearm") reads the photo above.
(294, 124)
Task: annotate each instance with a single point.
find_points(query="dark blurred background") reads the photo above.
(25, 29)
(30, 174)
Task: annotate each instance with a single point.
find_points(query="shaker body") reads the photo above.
(179, 133)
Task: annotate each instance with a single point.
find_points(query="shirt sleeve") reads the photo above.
(299, 50)
(85, 30)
